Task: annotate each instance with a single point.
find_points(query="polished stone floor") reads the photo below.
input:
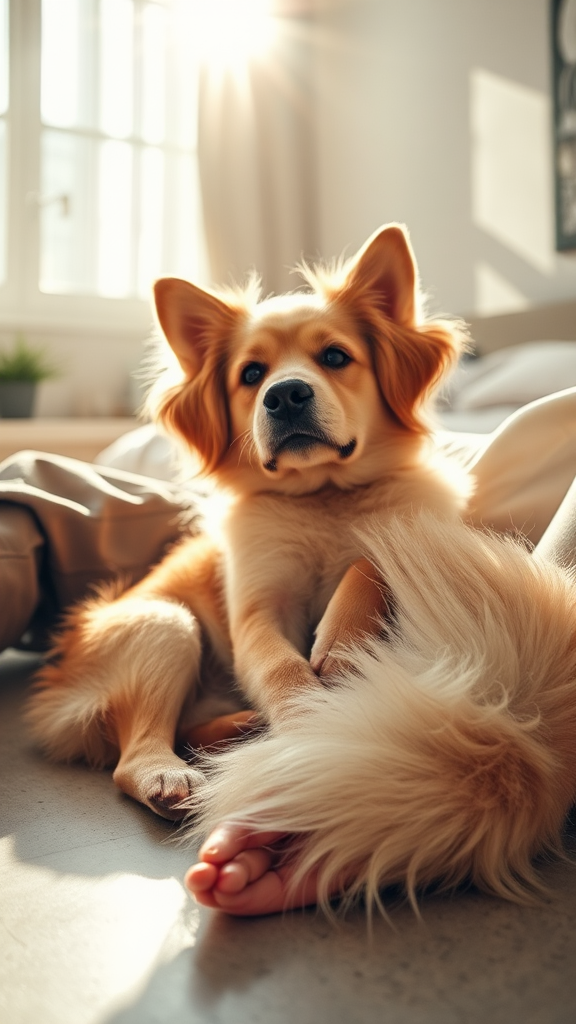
(96, 928)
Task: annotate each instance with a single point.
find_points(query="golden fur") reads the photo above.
(429, 761)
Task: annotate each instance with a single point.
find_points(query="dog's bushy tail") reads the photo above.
(447, 755)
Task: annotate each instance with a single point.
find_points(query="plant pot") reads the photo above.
(17, 399)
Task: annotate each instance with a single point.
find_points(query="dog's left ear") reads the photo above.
(198, 326)
(380, 290)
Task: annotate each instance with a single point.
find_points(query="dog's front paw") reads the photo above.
(165, 788)
(169, 790)
(286, 701)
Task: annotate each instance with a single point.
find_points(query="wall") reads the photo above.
(437, 113)
(95, 375)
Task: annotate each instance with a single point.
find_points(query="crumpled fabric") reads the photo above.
(66, 525)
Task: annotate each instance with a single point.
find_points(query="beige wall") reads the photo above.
(96, 368)
(437, 113)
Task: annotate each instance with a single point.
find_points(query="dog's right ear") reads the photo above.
(384, 274)
(193, 321)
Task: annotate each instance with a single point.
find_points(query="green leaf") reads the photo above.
(25, 362)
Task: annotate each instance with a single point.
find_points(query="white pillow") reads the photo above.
(143, 451)
(514, 376)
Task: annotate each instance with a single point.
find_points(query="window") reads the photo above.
(4, 93)
(98, 163)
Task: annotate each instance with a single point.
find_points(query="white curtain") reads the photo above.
(256, 153)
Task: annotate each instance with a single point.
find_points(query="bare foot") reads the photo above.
(242, 873)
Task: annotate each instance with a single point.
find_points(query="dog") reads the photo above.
(417, 676)
(308, 414)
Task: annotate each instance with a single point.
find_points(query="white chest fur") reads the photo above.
(289, 553)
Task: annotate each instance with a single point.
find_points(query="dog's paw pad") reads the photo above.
(169, 790)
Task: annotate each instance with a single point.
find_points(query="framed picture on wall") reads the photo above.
(564, 95)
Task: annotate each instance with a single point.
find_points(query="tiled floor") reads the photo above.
(95, 927)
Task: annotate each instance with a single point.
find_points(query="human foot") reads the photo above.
(246, 874)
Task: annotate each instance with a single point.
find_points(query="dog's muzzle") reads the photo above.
(292, 424)
(291, 418)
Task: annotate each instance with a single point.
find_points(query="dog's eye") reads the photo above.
(252, 373)
(335, 357)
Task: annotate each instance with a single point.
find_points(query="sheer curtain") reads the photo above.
(256, 157)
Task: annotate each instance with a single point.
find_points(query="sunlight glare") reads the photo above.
(231, 32)
(111, 932)
(154, 32)
(116, 61)
(4, 64)
(114, 218)
(60, 91)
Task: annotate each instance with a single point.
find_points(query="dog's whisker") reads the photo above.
(247, 446)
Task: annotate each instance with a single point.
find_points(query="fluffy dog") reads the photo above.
(442, 751)
(307, 413)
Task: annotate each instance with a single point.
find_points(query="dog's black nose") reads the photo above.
(287, 399)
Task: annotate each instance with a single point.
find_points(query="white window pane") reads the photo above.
(183, 73)
(60, 95)
(3, 201)
(184, 225)
(153, 74)
(67, 229)
(115, 220)
(115, 214)
(4, 64)
(151, 218)
(117, 67)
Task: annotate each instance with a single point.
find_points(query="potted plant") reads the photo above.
(21, 369)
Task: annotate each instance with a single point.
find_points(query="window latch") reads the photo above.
(61, 199)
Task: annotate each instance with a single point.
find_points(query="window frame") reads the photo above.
(23, 306)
